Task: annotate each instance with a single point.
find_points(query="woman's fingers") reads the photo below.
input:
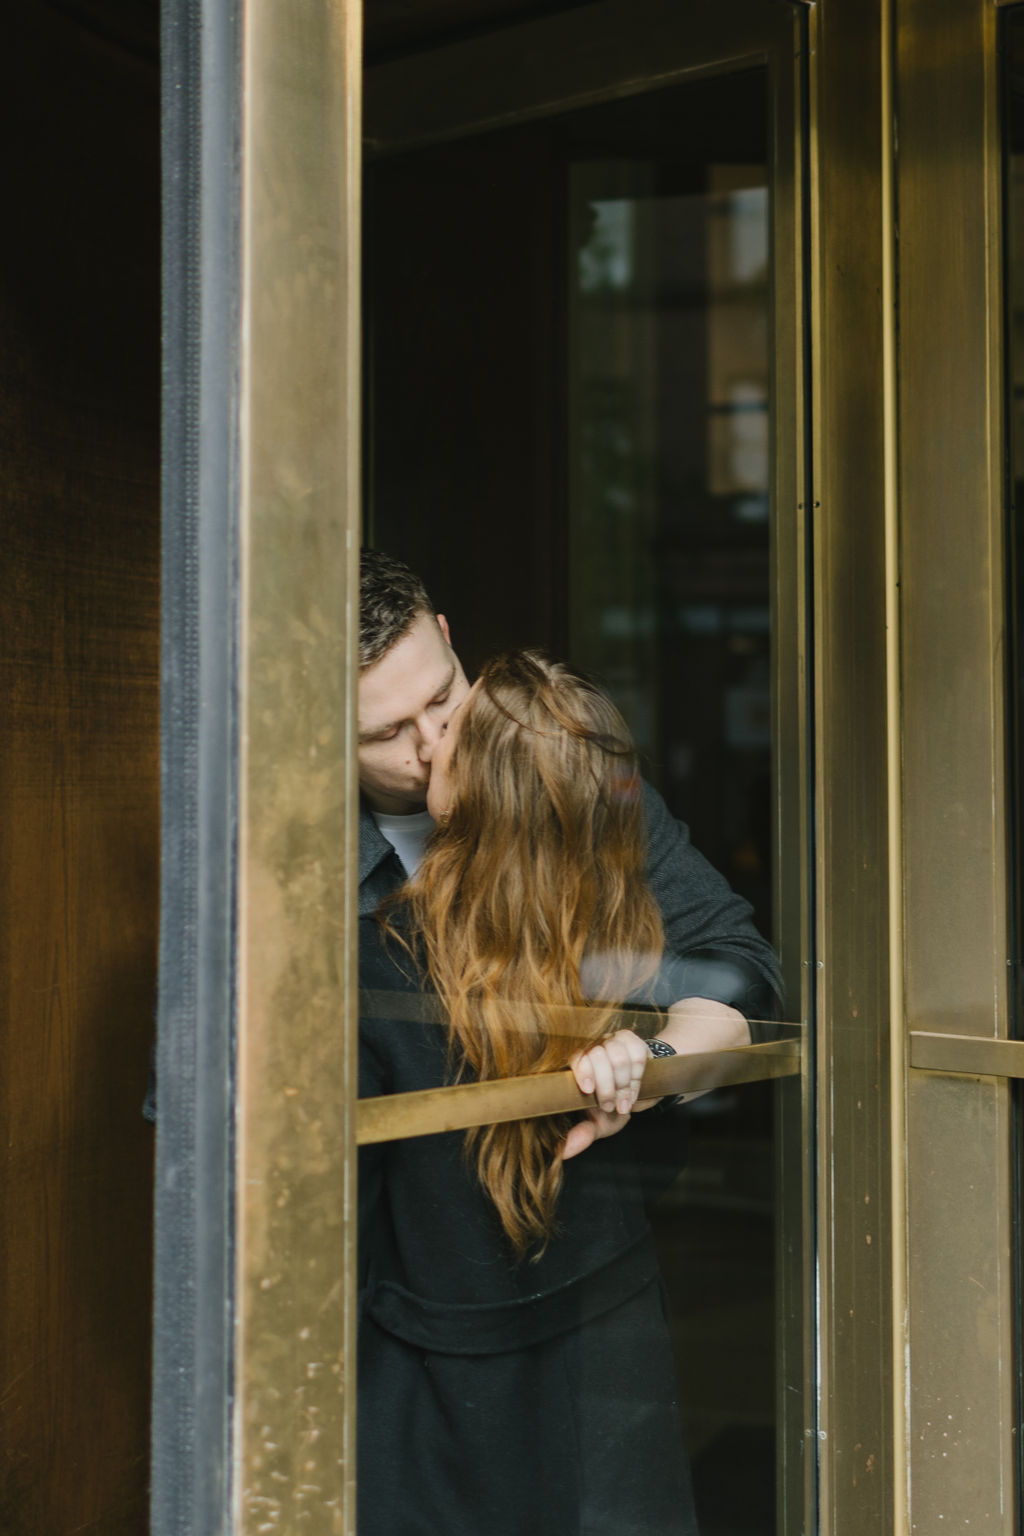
(594, 1127)
(583, 1071)
(612, 1071)
(581, 1136)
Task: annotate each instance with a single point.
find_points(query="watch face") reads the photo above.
(660, 1048)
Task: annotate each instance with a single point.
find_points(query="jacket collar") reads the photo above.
(374, 847)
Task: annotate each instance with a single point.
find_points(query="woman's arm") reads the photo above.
(696, 1024)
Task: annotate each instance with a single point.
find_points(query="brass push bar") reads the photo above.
(522, 1098)
(966, 1055)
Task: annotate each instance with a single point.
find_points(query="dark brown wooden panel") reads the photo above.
(79, 823)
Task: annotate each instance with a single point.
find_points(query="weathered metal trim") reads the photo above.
(849, 222)
(960, 1403)
(294, 1361)
(966, 1055)
(521, 1098)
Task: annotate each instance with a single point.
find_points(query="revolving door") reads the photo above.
(647, 377)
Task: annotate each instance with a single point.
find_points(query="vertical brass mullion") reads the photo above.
(293, 1464)
(961, 1437)
(848, 224)
(796, 1347)
(898, 1063)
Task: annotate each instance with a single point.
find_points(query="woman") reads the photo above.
(516, 1372)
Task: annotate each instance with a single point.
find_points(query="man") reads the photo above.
(410, 682)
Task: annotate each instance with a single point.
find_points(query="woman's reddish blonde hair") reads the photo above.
(540, 866)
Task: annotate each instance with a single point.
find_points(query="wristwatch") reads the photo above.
(661, 1048)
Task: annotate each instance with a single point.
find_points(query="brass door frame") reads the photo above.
(960, 1433)
(255, 1190)
(917, 1337)
(299, 454)
(853, 437)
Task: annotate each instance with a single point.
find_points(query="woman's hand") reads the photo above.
(612, 1071)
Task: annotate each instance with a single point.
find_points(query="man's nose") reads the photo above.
(430, 733)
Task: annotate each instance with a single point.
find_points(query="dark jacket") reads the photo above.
(500, 1395)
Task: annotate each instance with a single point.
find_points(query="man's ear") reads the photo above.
(442, 624)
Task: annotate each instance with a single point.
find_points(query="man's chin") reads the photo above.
(396, 802)
(410, 807)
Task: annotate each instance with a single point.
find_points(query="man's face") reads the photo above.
(405, 700)
(439, 790)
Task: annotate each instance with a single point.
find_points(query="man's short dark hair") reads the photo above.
(391, 599)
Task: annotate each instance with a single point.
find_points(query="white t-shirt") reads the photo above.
(407, 836)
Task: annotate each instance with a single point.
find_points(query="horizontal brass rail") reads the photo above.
(522, 1098)
(966, 1055)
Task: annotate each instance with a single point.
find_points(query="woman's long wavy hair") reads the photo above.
(538, 870)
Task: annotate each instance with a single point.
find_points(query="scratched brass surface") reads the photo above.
(299, 536)
(850, 223)
(962, 1455)
(952, 518)
(966, 1055)
(520, 1098)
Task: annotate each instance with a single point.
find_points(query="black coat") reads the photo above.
(496, 1397)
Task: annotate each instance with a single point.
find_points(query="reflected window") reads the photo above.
(669, 483)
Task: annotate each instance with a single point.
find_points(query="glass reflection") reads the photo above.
(670, 607)
(669, 487)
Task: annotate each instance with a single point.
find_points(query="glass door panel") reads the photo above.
(577, 327)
